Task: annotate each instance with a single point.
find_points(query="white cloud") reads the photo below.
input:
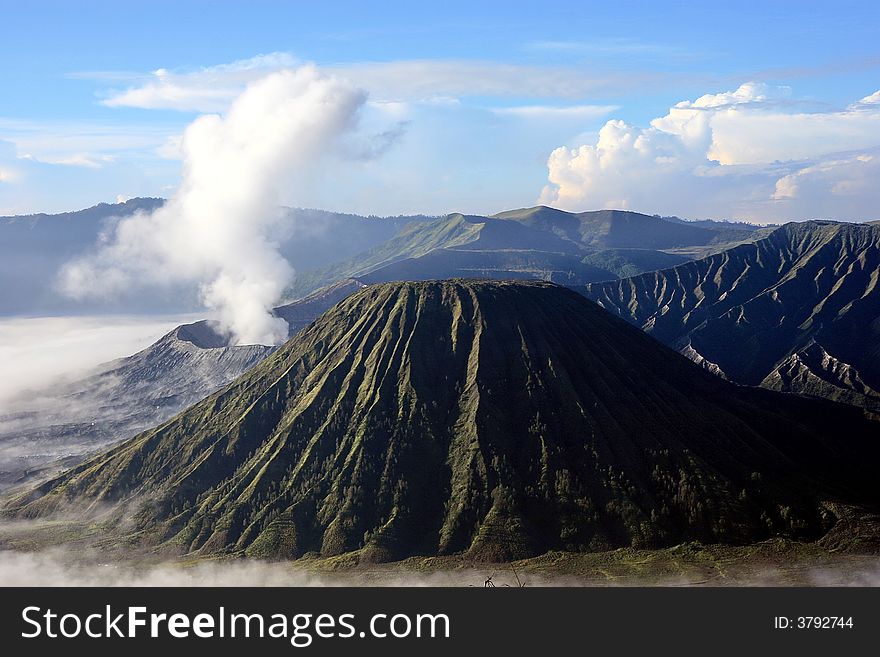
(425, 79)
(171, 148)
(582, 112)
(208, 89)
(79, 160)
(737, 153)
(867, 103)
(215, 230)
(439, 82)
(612, 47)
(78, 144)
(832, 183)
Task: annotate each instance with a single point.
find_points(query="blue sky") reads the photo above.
(474, 106)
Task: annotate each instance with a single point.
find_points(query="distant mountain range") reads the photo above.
(796, 311)
(532, 243)
(33, 248)
(793, 309)
(499, 420)
(325, 247)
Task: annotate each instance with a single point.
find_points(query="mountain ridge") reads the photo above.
(565, 247)
(753, 308)
(497, 419)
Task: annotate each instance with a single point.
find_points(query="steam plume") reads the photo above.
(216, 230)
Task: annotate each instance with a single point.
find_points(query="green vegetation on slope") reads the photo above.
(607, 229)
(497, 419)
(507, 264)
(413, 240)
(623, 263)
(562, 247)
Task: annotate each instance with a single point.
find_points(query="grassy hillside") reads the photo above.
(499, 420)
(623, 263)
(600, 246)
(620, 229)
(506, 264)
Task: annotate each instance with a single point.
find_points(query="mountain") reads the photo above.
(622, 263)
(34, 248)
(520, 264)
(66, 226)
(453, 232)
(533, 243)
(128, 395)
(616, 228)
(300, 314)
(497, 419)
(317, 238)
(795, 311)
(117, 400)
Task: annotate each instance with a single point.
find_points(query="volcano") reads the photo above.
(494, 419)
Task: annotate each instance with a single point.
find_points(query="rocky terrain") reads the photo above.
(495, 420)
(796, 311)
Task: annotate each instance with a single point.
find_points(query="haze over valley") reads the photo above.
(587, 295)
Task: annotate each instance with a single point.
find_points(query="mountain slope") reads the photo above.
(453, 232)
(620, 229)
(118, 400)
(501, 264)
(623, 263)
(798, 310)
(541, 243)
(126, 396)
(501, 419)
(33, 249)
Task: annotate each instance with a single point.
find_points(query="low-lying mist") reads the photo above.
(75, 547)
(39, 352)
(56, 568)
(44, 426)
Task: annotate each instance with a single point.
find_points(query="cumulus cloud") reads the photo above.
(216, 230)
(741, 153)
(833, 182)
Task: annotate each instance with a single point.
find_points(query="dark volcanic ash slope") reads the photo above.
(126, 396)
(797, 311)
(118, 400)
(501, 419)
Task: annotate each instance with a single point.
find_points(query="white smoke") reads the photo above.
(217, 229)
